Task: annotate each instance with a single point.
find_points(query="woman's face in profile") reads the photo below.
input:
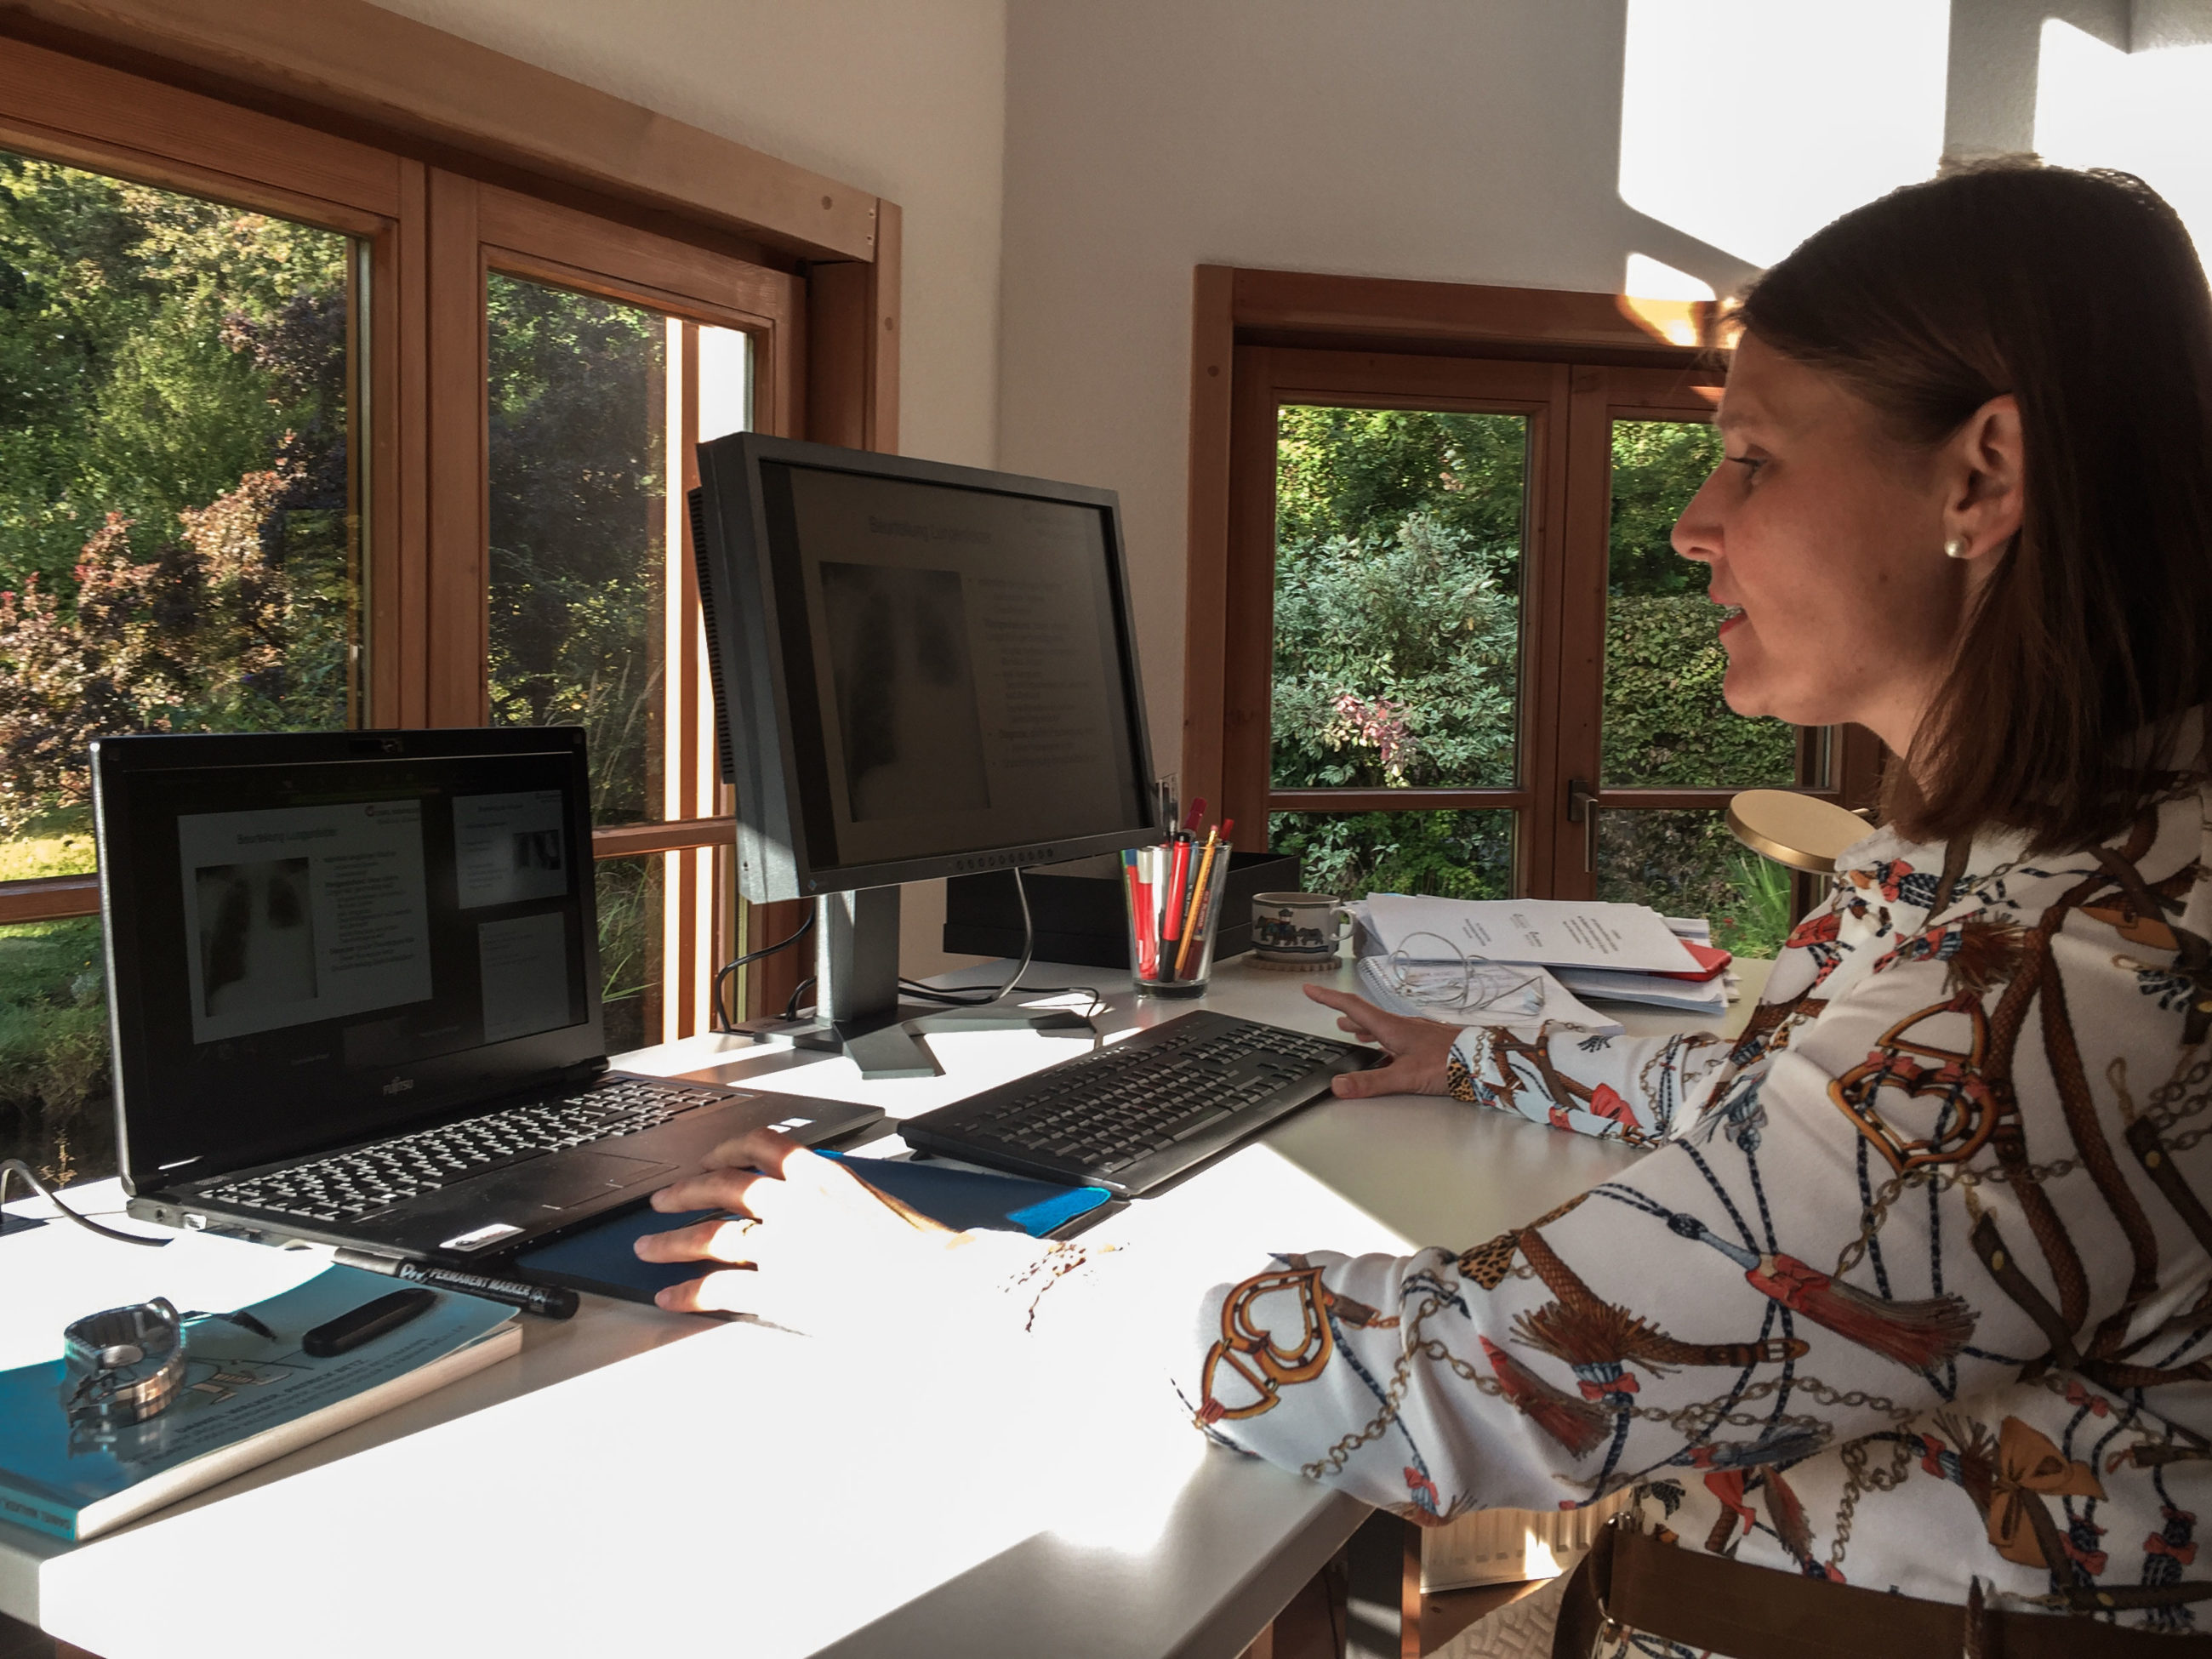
(1825, 539)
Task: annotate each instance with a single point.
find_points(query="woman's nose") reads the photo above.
(1697, 533)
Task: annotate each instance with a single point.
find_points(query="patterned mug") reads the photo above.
(1298, 928)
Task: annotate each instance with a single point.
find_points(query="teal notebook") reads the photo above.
(245, 1399)
(600, 1258)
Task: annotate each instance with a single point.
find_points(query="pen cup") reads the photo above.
(1172, 924)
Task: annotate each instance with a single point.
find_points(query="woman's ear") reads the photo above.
(1985, 482)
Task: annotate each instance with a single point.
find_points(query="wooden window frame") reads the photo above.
(1261, 338)
(449, 159)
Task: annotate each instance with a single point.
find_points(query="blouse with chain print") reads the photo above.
(1913, 1287)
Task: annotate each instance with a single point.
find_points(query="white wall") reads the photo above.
(903, 99)
(900, 98)
(1433, 139)
(1545, 143)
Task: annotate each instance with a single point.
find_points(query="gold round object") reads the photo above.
(1795, 829)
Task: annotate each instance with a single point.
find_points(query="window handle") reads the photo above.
(1582, 808)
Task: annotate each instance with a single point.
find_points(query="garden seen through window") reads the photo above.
(1398, 575)
(1664, 721)
(1401, 571)
(592, 406)
(180, 547)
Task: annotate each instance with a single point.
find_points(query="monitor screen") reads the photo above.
(958, 678)
(305, 945)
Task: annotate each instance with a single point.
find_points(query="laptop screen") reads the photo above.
(317, 937)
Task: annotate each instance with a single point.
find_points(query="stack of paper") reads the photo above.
(1545, 999)
(1626, 952)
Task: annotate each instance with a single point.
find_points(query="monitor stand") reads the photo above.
(857, 1007)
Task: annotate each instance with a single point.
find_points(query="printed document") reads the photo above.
(303, 912)
(1551, 933)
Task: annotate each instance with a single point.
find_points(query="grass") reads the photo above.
(54, 1111)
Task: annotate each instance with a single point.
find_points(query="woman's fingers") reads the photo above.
(702, 1240)
(736, 1190)
(1400, 1077)
(1344, 1002)
(765, 1150)
(722, 1292)
(1395, 1032)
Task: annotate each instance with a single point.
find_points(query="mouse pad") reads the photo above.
(600, 1258)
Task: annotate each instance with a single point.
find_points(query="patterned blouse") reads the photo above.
(1913, 1286)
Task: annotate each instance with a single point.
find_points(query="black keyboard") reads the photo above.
(353, 1185)
(1141, 1112)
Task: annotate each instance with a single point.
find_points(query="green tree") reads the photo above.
(177, 547)
(1398, 569)
(578, 504)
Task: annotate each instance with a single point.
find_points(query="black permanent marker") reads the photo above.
(551, 1301)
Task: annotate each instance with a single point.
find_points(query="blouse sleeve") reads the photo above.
(1640, 1090)
(1768, 1283)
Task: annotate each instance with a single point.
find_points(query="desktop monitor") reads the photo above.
(920, 671)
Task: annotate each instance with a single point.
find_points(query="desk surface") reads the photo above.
(640, 1482)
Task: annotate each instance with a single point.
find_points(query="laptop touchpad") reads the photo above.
(582, 1176)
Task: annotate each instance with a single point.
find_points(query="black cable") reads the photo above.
(914, 988)
(953, 999)
(15, 1166)
(791, 1008)
(1014, 981)
(722, 1020)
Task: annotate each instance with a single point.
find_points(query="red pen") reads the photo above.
(1178, 873)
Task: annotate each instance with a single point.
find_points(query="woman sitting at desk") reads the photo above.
(1913, 1293)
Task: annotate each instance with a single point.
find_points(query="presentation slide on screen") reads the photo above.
(303, 912)
(963, 647)
(509, 848)
(523, 964)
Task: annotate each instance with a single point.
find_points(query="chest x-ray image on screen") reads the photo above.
(920, 671)
(907, 716)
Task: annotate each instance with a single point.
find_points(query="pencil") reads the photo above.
(1197, 894)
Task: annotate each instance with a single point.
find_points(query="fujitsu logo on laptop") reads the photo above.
(399, 1085)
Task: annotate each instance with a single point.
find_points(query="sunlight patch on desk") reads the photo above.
(675, 1473)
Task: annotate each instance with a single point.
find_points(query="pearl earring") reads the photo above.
(1955, 547)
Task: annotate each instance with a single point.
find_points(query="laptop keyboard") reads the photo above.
(355, 1185)
(1133, 1115)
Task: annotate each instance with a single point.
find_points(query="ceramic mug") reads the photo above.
(1302, 927)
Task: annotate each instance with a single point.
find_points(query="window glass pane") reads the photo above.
(1665, 720)
(1398, 566)
(631, 912)
(1467, 855)
(579, 528)
(55, 1112)
(179, 529)
(1687, 864)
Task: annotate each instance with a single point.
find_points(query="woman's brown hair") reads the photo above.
(2081, 294)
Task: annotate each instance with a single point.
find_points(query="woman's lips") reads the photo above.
(1730, 616)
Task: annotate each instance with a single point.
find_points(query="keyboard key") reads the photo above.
(1160, 1099)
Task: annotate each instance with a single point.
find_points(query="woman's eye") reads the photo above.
(1750, 464)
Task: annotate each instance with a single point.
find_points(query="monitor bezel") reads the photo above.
(117, 761)
(732, 466)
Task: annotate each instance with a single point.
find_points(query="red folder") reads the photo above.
(1711, 961)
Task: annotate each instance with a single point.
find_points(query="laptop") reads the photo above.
(353, 994)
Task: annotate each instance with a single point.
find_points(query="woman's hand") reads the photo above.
(1420, 1049)
(812, 1246)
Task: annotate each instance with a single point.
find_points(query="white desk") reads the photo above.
(637, 1482)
